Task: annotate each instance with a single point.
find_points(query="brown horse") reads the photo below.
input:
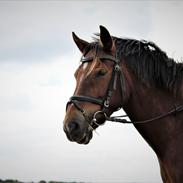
(139, 77)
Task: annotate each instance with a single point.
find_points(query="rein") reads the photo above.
(105, 101)
(172, 111)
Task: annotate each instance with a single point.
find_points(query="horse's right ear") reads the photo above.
(81, 44)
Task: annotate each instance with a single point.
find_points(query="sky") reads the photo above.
(37, 61)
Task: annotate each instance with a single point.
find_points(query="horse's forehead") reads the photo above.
(86, 70)
(88, 67)
(94, 64)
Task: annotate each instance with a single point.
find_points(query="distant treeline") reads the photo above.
(42, 181)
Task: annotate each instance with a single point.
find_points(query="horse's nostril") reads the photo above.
(72, 126)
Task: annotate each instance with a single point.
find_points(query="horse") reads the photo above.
(139, 77)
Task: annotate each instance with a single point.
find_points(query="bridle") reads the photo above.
(105, 101)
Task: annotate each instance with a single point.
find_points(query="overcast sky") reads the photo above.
(37, 62)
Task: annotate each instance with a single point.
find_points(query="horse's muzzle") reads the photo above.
(77, 131)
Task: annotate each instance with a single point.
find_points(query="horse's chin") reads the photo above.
(86, 138)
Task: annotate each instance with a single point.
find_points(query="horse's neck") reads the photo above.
(146, 103)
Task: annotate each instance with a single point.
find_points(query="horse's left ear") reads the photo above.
(81, 44)
(105, 38)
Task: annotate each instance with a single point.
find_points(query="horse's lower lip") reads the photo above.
(83, 141)
(86, 139)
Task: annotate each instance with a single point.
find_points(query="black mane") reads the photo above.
(150, 63)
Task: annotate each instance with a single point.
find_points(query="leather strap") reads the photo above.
(87, 99)
(104, 57)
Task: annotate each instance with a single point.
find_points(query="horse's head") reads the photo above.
(96, 95)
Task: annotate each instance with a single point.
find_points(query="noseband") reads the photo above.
(105, 101)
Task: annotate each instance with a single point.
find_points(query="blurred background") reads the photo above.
(37, 60)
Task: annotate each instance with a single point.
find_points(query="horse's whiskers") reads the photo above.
(96, 132)
(90, 128)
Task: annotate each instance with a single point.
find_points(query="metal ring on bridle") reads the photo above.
(95, 117)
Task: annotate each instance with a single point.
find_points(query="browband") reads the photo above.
(105, 57)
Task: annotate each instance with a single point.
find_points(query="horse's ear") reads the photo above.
(81, 44)
(105, 38)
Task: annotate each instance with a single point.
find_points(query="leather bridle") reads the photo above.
(105, 101)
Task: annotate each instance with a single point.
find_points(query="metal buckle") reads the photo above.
(117, 67)
(106, 103)
(88, 59)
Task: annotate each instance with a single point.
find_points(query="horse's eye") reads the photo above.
(101, 72)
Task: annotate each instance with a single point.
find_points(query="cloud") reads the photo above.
(20, 102)
(36, 31)
(32, 33)
(167, 27)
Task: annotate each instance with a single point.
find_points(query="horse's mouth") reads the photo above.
(80, 138)
(86, 138)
